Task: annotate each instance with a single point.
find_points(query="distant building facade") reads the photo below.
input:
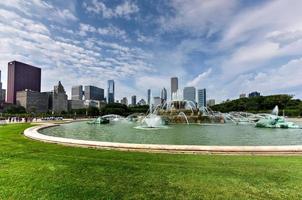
(94, 93)
(211, 102)
(174, 85)
(163, 95)
(124, 101)
(141, 102)
(241, 96)
(59, 99)
(133, 100)
(22, 76)
(189, 94)
(202, 98)
(32, 101)
(77, 92)
(111, 91)
(94, 103)
(254, 94)
(76, 104)
(156, 101)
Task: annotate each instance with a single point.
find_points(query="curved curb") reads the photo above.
(231, 150)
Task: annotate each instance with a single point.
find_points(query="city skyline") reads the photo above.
(248, 48)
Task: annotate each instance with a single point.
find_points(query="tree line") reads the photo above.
(263, 104)
(114, 108)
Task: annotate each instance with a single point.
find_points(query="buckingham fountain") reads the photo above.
(178, 111)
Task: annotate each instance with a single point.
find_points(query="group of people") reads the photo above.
(21, 119)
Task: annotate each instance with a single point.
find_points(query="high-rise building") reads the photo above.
(211, 102)
(59, 99)
(94, 93)
(22, 76)
(133, 100)
(189, 94)
(202, 98)
(77, 92)
(149, 96)
(2, 91)
(254, 94)
(110, 96)
(174, 85)
(163, 95)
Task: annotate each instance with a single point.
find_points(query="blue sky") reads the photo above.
(227, 46)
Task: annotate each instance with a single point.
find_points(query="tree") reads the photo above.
(13, 109)
(93, 111)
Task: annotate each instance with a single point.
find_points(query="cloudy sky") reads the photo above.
(227, 46)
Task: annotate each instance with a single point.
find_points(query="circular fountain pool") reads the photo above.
(179, 134)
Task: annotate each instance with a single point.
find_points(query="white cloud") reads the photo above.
(125, 9)
(200, 18)
(201, 77)
(30, 41)
(111, 31)
(40, 8)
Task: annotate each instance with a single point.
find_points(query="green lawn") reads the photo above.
(35, 170)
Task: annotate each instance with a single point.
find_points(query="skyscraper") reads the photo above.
(189, 93)
(59, 99)
(77, 92)
(163, 95)
(22, 76)
(2, 91)
(149, 96)
(202, 98)
(94, 93)
(174, 85)
(133, 100)
(110, 95)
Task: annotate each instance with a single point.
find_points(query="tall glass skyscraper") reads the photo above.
(189, 93)
(202, 98)
(163, 95)
(149, 96)
(110, 95)
(174, 85)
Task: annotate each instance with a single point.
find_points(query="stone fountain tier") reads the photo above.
(172, 116)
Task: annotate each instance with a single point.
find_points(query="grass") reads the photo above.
(35, 170)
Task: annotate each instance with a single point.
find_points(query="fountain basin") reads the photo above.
(36, 133)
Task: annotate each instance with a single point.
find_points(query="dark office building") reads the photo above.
(22, 76)
(94, 93)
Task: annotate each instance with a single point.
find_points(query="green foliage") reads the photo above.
(93, 111)
(293, 107)
(139, 109)
(123, 110)
(115, 108)
(13, 109)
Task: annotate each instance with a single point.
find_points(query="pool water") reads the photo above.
(179, 134)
